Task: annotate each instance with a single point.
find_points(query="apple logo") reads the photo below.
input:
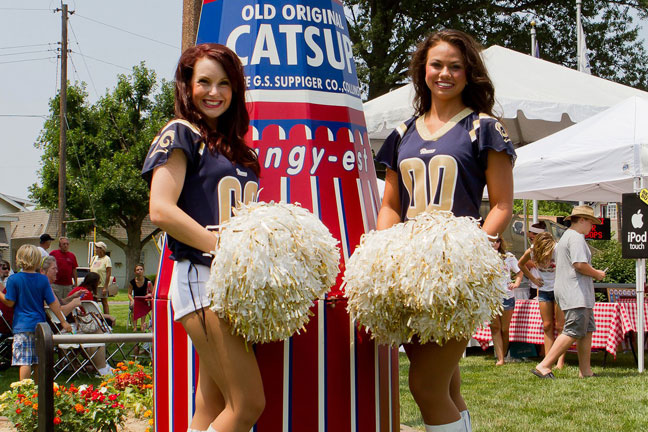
(637, 220)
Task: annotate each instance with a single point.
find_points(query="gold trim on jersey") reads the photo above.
(401, 129)
(429, 136)
(498, 127)
(190, 125)
(163, 140)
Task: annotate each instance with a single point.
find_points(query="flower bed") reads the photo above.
(76, 408)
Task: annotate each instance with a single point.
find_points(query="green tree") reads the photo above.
(547, 208)
(106, 145)
(385, 32)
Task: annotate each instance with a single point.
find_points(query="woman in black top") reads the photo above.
(139, 286)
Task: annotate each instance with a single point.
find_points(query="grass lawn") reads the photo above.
(510, 398)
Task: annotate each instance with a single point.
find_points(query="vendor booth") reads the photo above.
(535, 98)
(598, 160)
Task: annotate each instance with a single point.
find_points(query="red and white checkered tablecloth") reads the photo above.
(612, 323)
(629, 316)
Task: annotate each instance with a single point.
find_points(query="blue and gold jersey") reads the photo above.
(445, 170)
(213, 184)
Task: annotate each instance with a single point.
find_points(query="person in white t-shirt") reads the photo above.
(102, 265)
(500, 325)
(45, 243)
(542, 277)
(574, 294)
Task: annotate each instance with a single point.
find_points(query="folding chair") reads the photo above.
(73, 356)
(91, 307)
(6, 342)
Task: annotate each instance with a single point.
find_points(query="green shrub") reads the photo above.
(619, 270)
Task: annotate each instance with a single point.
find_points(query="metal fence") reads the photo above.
(45, 342)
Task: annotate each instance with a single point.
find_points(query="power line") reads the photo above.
(99, 60)
(85, 177)
(25, 9)
(25, 52)
(56, 81)
(127, 31)
(83, 58)
(23, 115)
(27, 60)
(28, 46)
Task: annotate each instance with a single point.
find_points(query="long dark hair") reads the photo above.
(91, 282)
(228, 137)
(479, 93)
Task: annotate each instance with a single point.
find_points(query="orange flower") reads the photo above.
(58, 412)
(79, 408)
(27, 402)
(35, 407)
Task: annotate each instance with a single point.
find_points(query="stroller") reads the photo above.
(6, 336)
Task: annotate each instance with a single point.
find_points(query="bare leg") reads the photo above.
(506, 326)
(547, 314)
(584, 354)
(209, 403)
(431, 370)
(560, 347)
(560, 324)
(455, 390)
(496, 335)
(104, 304)
(24, 372)
(233, 371)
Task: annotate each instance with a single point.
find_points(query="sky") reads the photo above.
(99, 54)
(107, 38)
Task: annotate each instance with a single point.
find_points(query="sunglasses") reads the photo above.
(4, 268)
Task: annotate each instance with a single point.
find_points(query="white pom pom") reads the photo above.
(436, 276)
(273, 262)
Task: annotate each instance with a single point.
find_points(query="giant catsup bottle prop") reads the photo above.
(308, 128)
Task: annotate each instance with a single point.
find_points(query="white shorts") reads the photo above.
(188, 290)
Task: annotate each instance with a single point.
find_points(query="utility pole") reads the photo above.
(63, 121)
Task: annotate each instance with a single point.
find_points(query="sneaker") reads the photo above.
(106, 370)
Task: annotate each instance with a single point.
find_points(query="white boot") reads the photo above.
(458, 426)
(465, 415)
(194, 430)
(211, 429)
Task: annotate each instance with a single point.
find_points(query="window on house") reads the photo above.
(611, 211)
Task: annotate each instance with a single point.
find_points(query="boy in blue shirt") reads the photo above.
(26, 292)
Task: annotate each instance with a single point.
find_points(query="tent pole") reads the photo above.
(640, 274)
(535, 211)
(526, 224)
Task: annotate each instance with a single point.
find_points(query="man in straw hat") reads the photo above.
(574, 290)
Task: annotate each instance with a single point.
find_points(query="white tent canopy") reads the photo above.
(594, 160)
(534, 97)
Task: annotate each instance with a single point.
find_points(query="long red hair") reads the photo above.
(228, 137)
